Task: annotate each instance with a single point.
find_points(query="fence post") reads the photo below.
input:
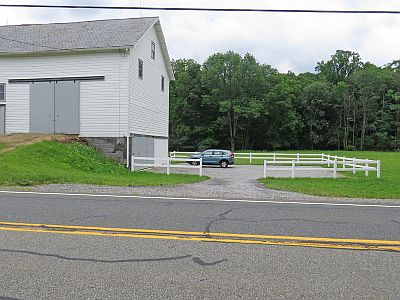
(354, 165)
(293, 167)
(250, 157)
(168, 166)
(344, 162)
(298, 157)
(366, 170)
(133, 163)
(274, 156)
(329, 160)
(378, 169)
(322, 157)
(201, 167)
(335, 169)
(265, 168)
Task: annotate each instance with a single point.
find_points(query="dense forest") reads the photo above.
(234, 102)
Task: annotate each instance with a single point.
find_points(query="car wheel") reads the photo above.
(224, 163)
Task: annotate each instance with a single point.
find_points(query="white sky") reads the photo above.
(286, 41)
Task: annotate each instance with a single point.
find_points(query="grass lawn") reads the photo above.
(54, 162)
(354, 186)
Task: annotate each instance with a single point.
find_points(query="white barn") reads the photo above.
(105, 80)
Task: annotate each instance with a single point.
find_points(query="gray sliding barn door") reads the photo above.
(66, 107)
(41, 107)
(2, 119)
(54, 107)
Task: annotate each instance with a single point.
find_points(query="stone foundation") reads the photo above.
(114, 148)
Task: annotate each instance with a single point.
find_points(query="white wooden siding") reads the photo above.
(17, 108)
(149, 106)
(103, 104)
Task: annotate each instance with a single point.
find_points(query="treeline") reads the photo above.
(235, 102)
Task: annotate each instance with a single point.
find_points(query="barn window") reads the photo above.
(140, 68)
(2, 92)
(153, 50)
(162, 83)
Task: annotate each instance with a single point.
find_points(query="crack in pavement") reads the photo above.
(138, 260)
(397, 222)
(87, 217)
(222, 217)
(201, 262)
(195, 259)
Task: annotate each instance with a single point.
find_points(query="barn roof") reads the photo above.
(114, 33)
(86, 35)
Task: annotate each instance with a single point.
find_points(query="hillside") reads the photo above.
(42, 159)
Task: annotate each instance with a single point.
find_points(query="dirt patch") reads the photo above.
(12, 141)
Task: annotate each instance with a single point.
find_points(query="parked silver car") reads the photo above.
(224, 158)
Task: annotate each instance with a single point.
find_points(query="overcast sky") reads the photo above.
(286, 41)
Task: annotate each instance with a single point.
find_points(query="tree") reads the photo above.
(341, 66)
(234, 101)
(236, 89)
(370, 86)
(343, 119)
(282, 126)
(186, 113)
(314, 101)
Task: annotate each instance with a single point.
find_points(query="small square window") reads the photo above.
(153, 50)
(140, 69)
(2, 92)
(162, 83)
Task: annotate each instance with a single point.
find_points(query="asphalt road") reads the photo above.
(49, 265)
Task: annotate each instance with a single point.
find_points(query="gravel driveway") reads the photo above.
(237, 182)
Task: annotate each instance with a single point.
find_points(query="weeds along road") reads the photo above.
(59, 246)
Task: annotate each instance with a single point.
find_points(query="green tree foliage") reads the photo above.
(314, 103)
(233, 101)
(187, 113)
(281, 127)
(236, 89)
(340, 67)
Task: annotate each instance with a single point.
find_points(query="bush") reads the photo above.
(350, 148)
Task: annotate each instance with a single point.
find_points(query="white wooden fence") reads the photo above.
(294, 162)
(177, 154)
(299, 161)
(166, 162)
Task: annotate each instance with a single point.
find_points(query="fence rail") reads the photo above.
(338, 163)
(177, 154)
(304, 161)
(166, 162)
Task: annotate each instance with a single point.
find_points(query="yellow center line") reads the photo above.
(334, 243)
(199, 233)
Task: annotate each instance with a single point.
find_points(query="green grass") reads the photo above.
(353, 186)
(54, 162)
